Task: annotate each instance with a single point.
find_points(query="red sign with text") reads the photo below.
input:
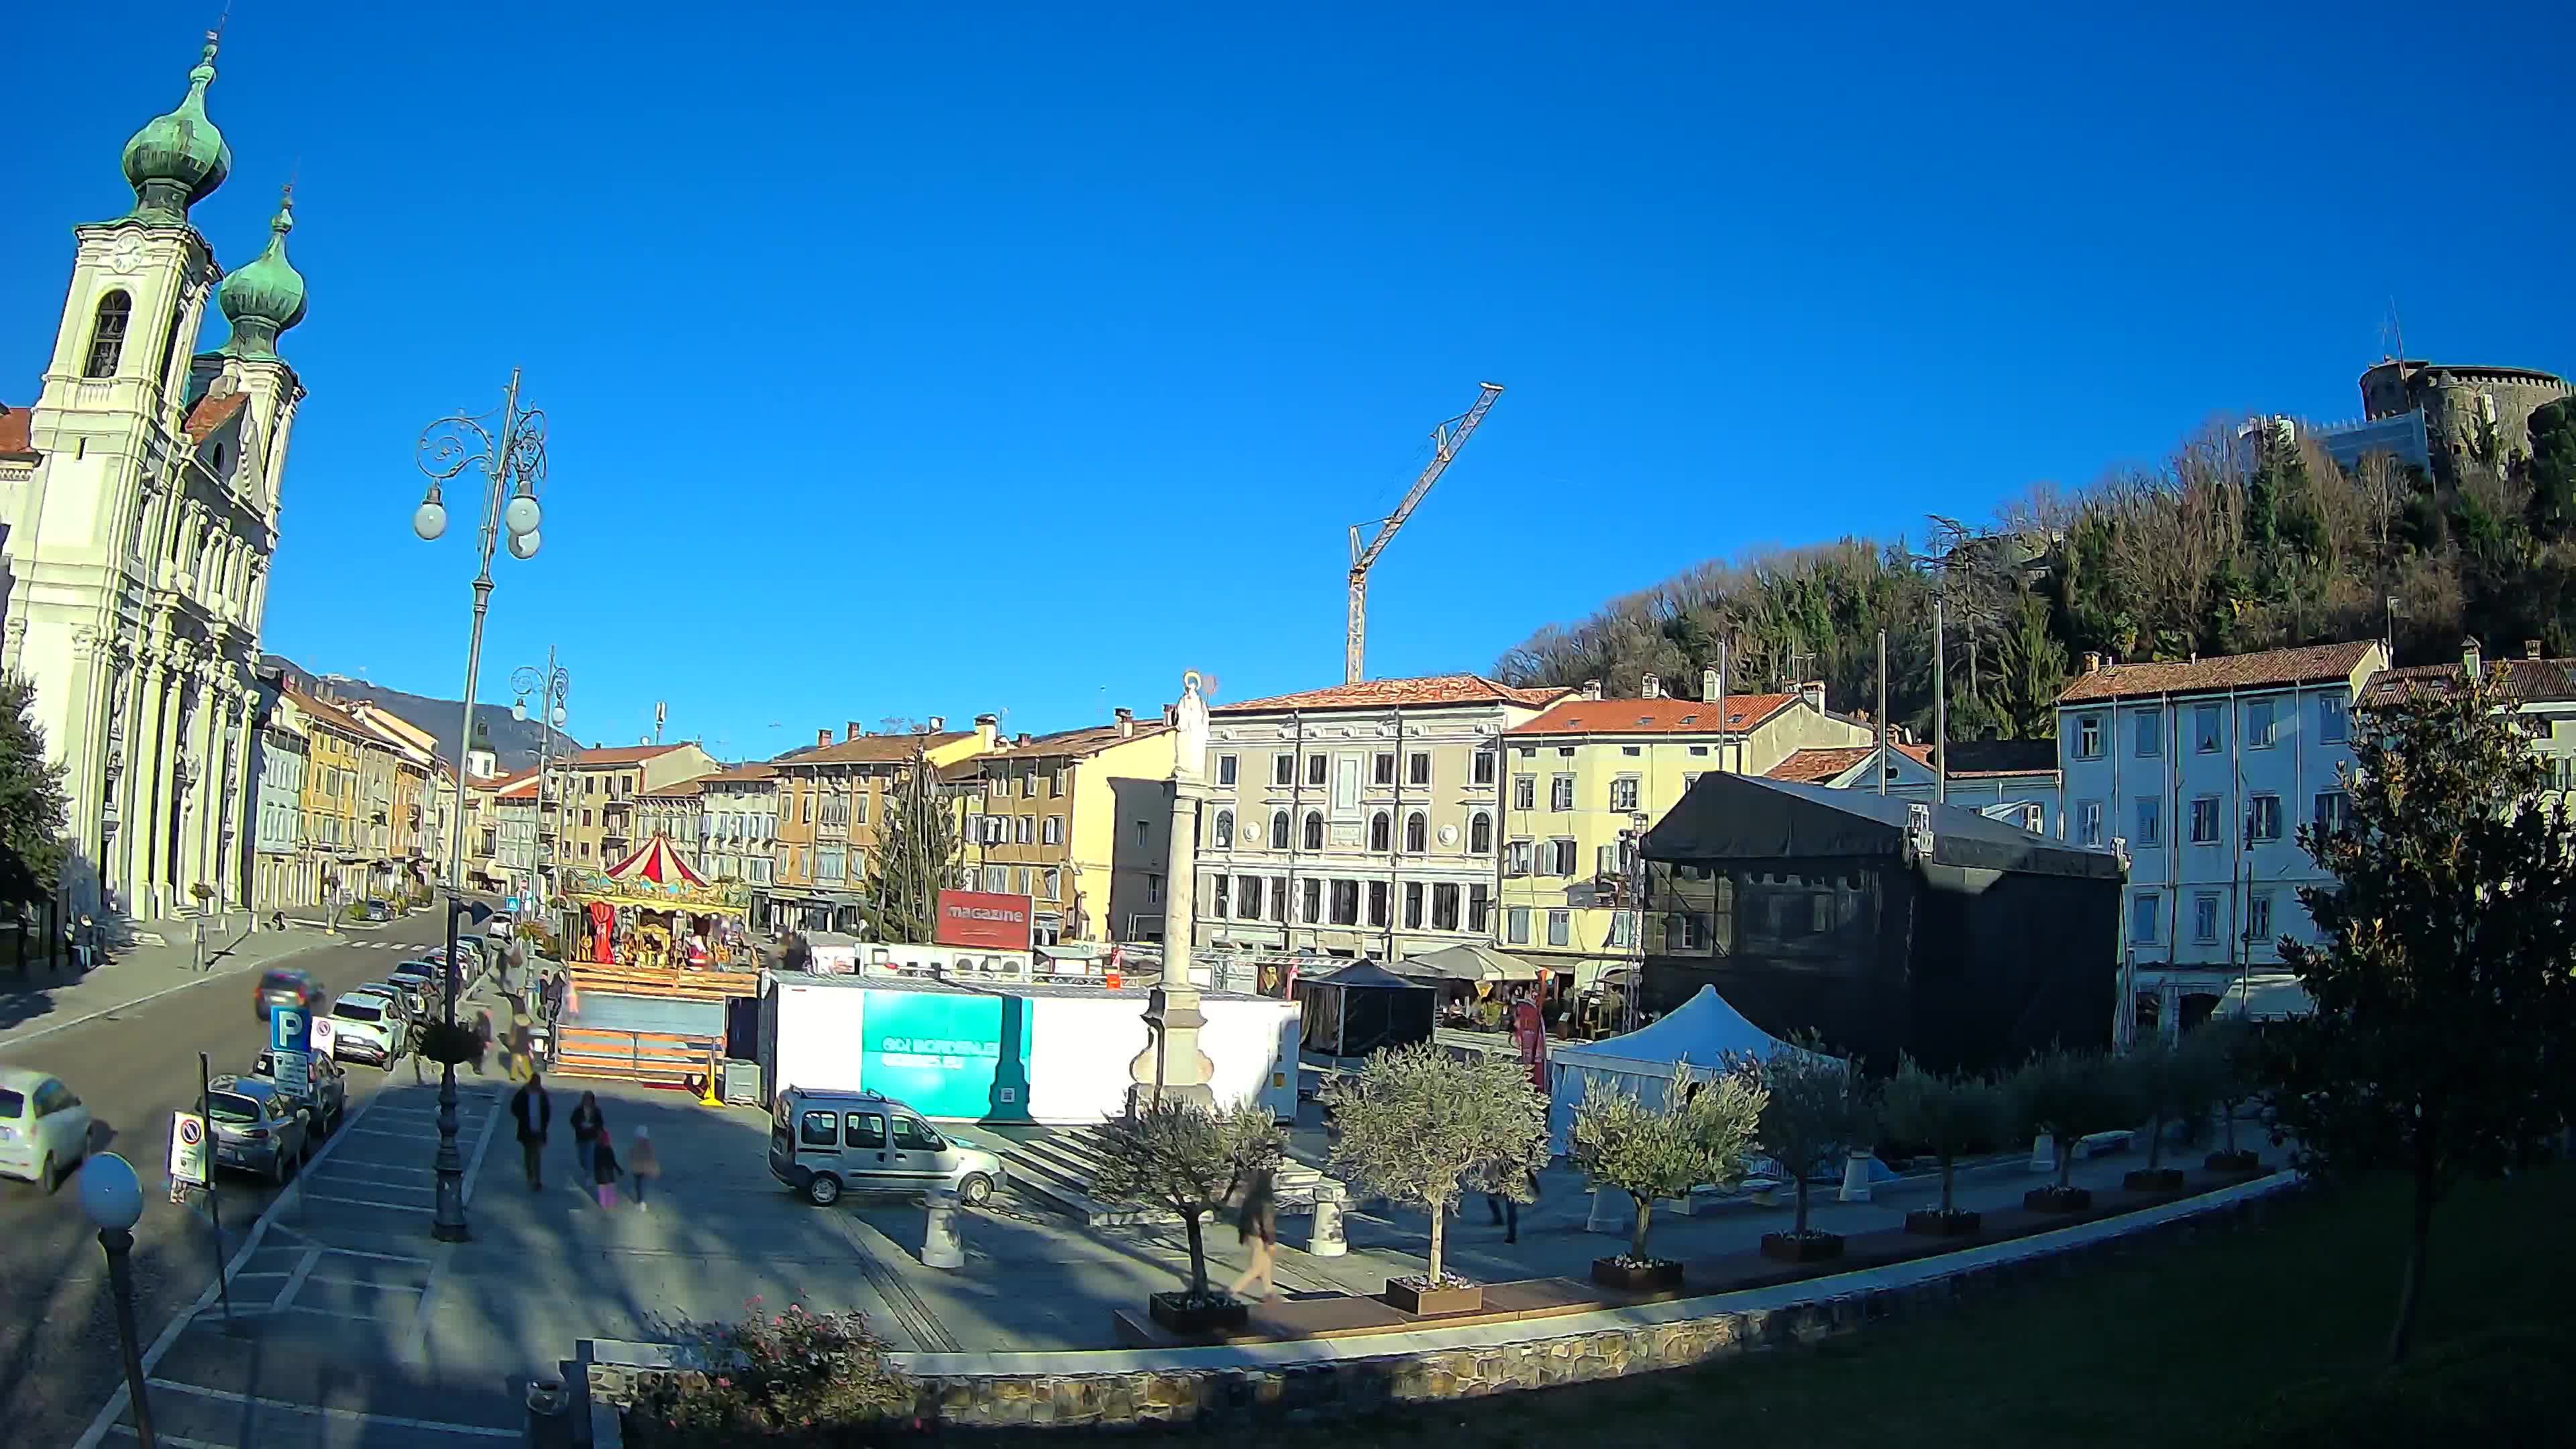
(983, 918)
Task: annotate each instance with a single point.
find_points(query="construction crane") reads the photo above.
(1446, 440)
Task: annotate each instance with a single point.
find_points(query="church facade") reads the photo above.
(140, 493)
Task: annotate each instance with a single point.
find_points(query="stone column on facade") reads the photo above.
(1172, 1067)
(241, 800)
(147, 790)
(202, 706)
(84, 754)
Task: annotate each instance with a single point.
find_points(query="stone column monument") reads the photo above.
(1172, 1068)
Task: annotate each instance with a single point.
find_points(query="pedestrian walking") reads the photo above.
(588, 1129)
(482, 1037)
(1257, 1220)
(535, 1111)
(603, 1170)
(1507, 1209)
(643, 1164)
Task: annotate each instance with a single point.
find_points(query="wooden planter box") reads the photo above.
(2153, 1179)
(1654, 1277)
(1433, 1302)
(1934, 1223)
(1815, 1247)
(1174, 1312)
(2234, 1162)
(2057, 1200)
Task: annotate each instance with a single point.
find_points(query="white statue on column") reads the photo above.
(1172, 1067)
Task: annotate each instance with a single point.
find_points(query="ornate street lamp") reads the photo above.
(111, 1196)
(509, 450)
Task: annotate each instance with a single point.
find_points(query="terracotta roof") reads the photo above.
(1429, 689)
(334, 716)
(1089, 740)
(2524, 681)
(1653, 716)
(679, 790)
(2314, 664)
(618, 755)
(1971, 758)
(16, 425)
(520, 787)
(212, 412)
(1815, 767)
(758, 770)
(872, 749)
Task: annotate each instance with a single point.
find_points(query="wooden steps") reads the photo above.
(655, 1059)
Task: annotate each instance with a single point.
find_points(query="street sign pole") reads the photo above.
(214, 1204)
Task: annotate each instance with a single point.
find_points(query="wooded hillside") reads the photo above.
(2230, 545)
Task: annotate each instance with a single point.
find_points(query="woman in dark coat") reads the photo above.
(1258, 1221)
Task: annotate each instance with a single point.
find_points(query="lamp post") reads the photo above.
(553, 687)
(509, 450)
(112, 1197)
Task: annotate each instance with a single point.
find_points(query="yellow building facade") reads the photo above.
(335, 798)
(1079, 822)
(1590, 773)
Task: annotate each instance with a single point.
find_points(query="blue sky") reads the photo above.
(934, 362)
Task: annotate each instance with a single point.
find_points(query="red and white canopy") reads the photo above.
(656, 863)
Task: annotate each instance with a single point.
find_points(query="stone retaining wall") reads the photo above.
(1321, 1377)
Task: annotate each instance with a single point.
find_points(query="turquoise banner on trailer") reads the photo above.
(963, 1058)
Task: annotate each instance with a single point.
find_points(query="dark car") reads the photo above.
(324, 1095)
(285, 988)
(257, 1128)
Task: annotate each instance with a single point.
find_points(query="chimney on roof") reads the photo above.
(1654, 686)
(938, 724)
(2530, 648)
(2470, 662)
(1591, 689)
(851, 730)
(1813, 691)
(1172, 716)
(2092, 661)
(1708, 685)
(1126, 722)
(822, 737)
(987, 727)
(1023, 738)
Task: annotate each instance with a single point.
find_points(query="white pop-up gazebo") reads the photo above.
(1699, 1035)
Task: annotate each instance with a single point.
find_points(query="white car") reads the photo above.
(44, 1129)
(366, 1027)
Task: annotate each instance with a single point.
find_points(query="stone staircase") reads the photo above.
(1056, 1165)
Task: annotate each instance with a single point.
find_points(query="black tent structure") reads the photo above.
(1886, 925)
(1363, 1008)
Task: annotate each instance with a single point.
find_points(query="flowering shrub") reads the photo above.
(793, 1375)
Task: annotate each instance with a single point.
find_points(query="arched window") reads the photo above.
(1314, 830)
(1224, 829)
(1480, 833)
(107, 334)
(1417, 833)
(1381, 831)
(1278, 830)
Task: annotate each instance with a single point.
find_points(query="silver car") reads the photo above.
(822, 1143)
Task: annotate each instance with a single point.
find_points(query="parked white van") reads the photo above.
(824, 1143)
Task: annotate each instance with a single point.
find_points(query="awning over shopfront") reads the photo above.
(1468, 961)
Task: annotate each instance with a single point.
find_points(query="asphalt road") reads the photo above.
(133, 1068)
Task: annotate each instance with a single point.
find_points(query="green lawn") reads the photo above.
(2197, 1346)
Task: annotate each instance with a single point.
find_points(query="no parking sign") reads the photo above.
(188, 1149)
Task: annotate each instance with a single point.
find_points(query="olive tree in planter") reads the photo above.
(1420, 1126)
(2225, 1052)
(1189, 1160)
(1816, 1110)
(1698, 1137)
(1945, 1116)
(2069, 1095)
(2171, 1082)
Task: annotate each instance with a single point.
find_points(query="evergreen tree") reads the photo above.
(32, 850)
(916, 857)
(2445, 1013)
(2032, 673)
(2551, 469)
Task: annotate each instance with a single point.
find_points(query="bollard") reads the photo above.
(1325, 1239)
(939, 1245)
(1612, 1212)
(549, 1422)
(1856, 1177)
(2043, 1153)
